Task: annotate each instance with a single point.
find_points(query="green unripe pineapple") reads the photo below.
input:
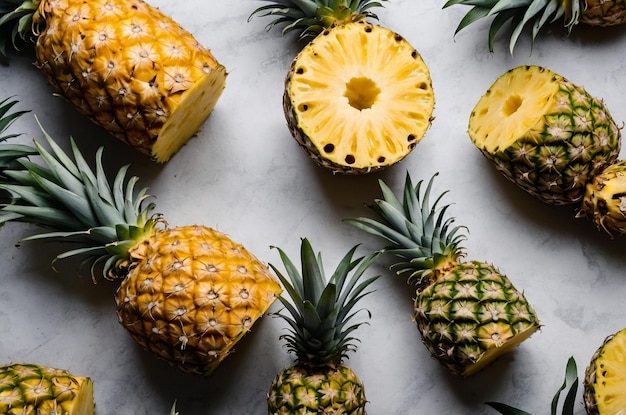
(468, 313)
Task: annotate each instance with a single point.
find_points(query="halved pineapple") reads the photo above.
(358, 98)
(605, 378)
(32, 389)
(605, 199)
(544, 133)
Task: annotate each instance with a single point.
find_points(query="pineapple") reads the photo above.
(27, 388)
(358, 97)
(188, 294)
(544, 133)
(605, 377)
(122, 63)
(537, 14)
(604, 202)
(319, 314)
(468, 313)
(9, 153)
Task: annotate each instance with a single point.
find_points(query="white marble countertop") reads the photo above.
(244, 175)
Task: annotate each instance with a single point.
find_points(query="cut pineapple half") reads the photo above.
(605, 378)
(358, 98)
(190, 113)
(513, 105)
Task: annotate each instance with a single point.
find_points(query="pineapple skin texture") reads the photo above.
(191, 294)
(311, 390)
(554, 159)
(126, 66)
(370, 139)
(471, 315)
(603, 13)
(605, 376)
(605, 199)
(27, 388)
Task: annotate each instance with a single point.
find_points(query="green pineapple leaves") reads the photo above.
(311, 17)
(319, 310)
(521, 14)
(16, 22)
(418, 232)
(570, 383)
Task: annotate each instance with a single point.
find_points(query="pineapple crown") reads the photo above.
(10, 153)
(320, 310)
(312, 17)
(570, 383)
(77, 204)
(420, 234)
(522, 14)
(16, 22)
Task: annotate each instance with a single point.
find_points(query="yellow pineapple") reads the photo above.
(358, 98)
(124, 64)
(188, 294)
(27, 389)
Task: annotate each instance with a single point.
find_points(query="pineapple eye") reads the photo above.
(350, 159)
(410, 138)
(329, 148)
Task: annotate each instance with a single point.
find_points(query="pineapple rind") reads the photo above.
(191, 294)
(605, 199)
(603, 13)
(347, 138)
(312, 390)
(28, 388)
(605, 377)
(471, 315)
(553, 150)
(126, 66)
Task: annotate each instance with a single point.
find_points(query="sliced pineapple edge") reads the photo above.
(364, 110)
(194, 107)
(84, 404)
(495, 352)
(516, 102)
(605, 377)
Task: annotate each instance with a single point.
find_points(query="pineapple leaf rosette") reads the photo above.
(188, 294)
(123, 64)
(468, 313)
(556, 141)
(358, 97)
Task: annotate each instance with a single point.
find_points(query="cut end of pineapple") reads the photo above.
(605, 378)
(195, 106)
(494, 352)
(514, 104)
(84, 402)
(358, 98)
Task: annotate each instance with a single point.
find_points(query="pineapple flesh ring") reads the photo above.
(130, 69)
(605, 378)
(358, 98)
(544, 133)
(32, 389)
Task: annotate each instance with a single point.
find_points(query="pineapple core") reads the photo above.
(513, 105)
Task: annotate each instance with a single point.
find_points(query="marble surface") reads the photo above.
(246, 176)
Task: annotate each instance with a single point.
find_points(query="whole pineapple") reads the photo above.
(468, 313)
(358, 98)
(319, 311)
(27, 388)
(188, 294)
(534, 15)
(605, 377)
(544, 133)
(122, 63)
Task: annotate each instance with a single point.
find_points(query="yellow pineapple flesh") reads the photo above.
(191, 294)
(605, 378)
(130, 68)
(358, 98)
(27, 388)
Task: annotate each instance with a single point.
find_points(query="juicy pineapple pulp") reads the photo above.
(358, 98)
(305, 389)
(605, 199)
(471, 315)
(544, 133)
(32, 389)
(605, 378)
(130, 68)
(191, 294)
